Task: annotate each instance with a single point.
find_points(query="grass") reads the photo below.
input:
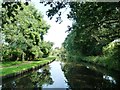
(101, 60)
(10, 63)
(104, 61)
(48, 58)
(14, 67)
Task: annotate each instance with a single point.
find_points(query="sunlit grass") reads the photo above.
(10, 63)
(14, 67)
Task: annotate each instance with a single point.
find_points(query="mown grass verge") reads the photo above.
(20, 67)
(11, 63)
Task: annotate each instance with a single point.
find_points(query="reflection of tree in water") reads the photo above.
(34, 80)
(79, 76)
(41, 77)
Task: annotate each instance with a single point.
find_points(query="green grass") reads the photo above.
(10, 63)
(105, 61)
(14, 67)
(48, 58)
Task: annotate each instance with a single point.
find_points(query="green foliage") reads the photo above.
(88, 34)
(112, 50)
(46, 48)
(25, 35)
(95, 25)
(36, 52)
(22, 66)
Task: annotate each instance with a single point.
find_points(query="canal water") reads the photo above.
(65, 76)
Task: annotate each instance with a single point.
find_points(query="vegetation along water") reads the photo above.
(89, 57)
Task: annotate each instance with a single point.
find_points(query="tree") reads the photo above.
(89, 34)
(46, 48)
(25, 34)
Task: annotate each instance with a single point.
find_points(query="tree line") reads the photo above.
(95, 31)
(22, 32)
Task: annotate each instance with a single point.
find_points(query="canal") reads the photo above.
(66, 76)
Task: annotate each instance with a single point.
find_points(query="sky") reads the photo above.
(56, 33)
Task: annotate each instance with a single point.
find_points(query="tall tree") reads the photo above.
(95, 25)
(24, 32)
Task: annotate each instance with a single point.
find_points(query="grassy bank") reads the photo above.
(19, 66)
(104, 61)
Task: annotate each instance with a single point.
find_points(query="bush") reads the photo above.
(112, 50)
(36, 52)
(15, 54)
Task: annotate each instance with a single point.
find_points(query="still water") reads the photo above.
(65, 76)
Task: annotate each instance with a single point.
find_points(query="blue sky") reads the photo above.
(56, 33)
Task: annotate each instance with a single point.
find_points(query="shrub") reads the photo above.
(112, 50)
(35, 50)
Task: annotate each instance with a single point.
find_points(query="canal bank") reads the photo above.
(16, 70)
(65, 76)
(102, 61)
(88, 76)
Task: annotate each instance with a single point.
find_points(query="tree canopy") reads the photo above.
(23, 29)
(95, 26)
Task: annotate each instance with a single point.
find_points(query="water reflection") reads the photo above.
(82, 76)
(111, 79)
(58, 76)
(30, 81)
(65, 76)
